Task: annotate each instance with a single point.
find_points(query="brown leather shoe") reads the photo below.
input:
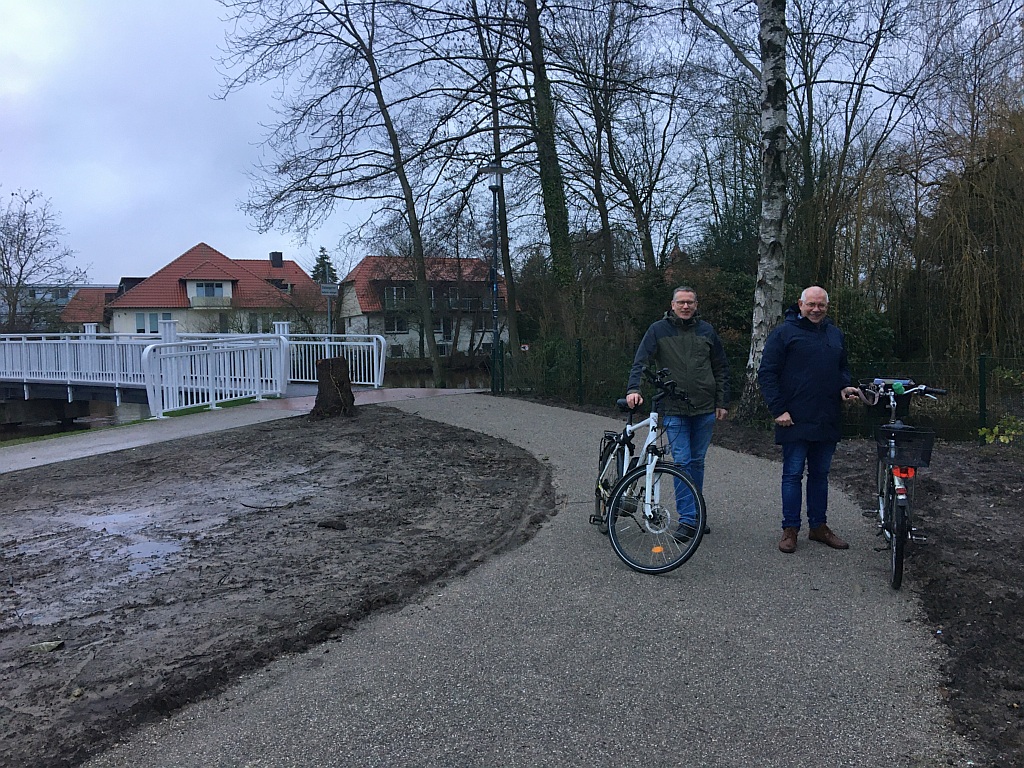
(825, 536)
(788, 543)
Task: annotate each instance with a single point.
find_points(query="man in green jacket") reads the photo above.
(695, 358)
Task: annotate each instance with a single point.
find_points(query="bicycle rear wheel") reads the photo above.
(607, 478)
(894, 519)
(898, 542)
(660, 532)
(885, 492)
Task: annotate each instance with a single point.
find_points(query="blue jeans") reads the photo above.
(689, 438)
(817, 457)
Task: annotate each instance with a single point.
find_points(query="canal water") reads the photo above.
(101, 415)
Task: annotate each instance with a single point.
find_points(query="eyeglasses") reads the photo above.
(684, 303)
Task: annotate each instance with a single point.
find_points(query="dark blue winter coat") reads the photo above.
(803, 371)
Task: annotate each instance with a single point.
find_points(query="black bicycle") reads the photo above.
(652, 511)
(902, 449)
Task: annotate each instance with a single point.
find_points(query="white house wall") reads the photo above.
(189, 321)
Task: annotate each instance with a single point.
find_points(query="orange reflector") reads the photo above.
(657, 550)
(904, 473)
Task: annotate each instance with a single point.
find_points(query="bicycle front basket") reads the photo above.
(913, 445)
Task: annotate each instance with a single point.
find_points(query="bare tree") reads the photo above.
(347, 128)
(32, 259)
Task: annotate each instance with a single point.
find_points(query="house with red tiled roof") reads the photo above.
(379, 297)
(89, 305)
(206, 292)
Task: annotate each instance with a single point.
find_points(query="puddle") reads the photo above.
(148, 556)
(117, 523)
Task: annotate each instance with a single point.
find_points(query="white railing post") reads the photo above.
(168, 331)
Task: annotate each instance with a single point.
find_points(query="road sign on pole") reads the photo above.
(330, 290)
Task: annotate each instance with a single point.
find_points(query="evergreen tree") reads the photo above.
(323, 270)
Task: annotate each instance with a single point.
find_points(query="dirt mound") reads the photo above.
(141, 580)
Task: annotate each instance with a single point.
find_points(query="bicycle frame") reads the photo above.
(649, 449)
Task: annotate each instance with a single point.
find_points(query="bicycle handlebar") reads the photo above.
(873, 391)
(662, 383)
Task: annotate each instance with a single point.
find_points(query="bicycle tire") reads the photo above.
(883, 484)
(648, 543)
(600, 508)
(898, 543)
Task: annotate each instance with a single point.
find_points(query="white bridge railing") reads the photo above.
(365, 356)
(206, 372)
(187, 371)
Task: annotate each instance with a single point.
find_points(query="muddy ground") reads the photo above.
(177, 566)
(186, 563)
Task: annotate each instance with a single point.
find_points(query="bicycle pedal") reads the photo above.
(595, 520)
(918, 538)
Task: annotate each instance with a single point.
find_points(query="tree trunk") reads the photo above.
(556, 212)
(771, 266)
(333, 390)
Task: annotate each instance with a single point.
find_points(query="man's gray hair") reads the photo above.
(803, 293)
(684, 289)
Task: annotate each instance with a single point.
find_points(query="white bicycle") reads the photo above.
(652, 511)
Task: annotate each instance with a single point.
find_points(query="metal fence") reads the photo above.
(980, 393)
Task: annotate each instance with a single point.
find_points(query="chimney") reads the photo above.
(276, 259)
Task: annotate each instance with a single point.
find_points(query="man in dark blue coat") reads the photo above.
(804, 378)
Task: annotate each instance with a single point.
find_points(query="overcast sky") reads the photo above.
(108, 108)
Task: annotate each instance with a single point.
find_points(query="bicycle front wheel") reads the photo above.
(656, 527)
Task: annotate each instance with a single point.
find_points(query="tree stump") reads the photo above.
(334, 390)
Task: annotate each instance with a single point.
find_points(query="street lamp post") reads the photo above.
(494, 170)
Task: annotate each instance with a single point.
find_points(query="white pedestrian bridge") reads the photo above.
(173, 372)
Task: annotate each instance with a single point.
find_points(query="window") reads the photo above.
(396, 324)
(442, 350)
(394, 297)
(154, 322)
(396, 350)
(443, 326)
(210, 290)
(140, 322)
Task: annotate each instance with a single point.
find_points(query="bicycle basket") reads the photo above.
(913, 445)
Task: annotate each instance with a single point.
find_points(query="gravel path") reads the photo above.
(556, 654)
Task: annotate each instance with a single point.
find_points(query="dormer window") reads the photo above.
(209, 290)
(394, 297)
